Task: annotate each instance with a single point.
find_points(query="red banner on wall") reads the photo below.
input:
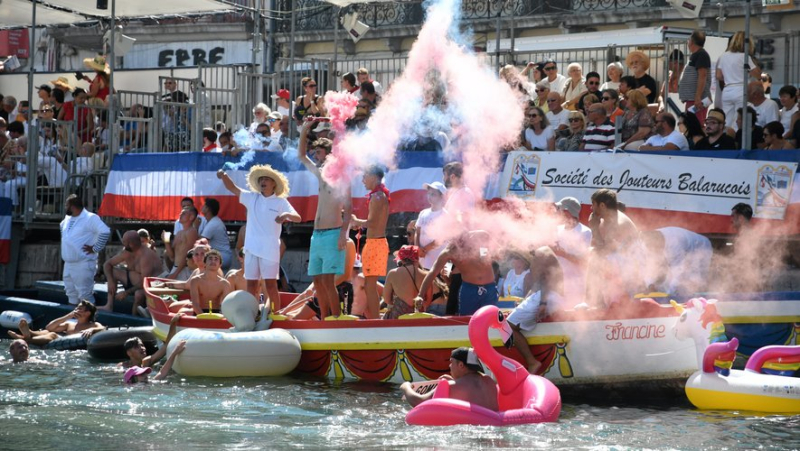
(15, 42)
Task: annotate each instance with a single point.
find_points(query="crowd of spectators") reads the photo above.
(577, 112)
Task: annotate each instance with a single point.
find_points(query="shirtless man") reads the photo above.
(208, 286)
(236, 276)
(327, 253)
(467, 382)
(137, 353)
(85, 325)
(375, 253)
(613, 267)
(140, 262)
(19, 351)
(184, 240)
(478, 287)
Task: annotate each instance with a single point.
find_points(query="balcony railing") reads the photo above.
(315, 15)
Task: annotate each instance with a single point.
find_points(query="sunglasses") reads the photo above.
(606, 98)
(592, 82)
(575, 119)
(311, 86)
(533, 115)
(549, 68)
(542, 90)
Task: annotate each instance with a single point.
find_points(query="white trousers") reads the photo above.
(731, 101)
(79, 280)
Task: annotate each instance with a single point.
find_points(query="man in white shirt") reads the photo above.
(573, 241)
(788, 97)
(283, 100)
(766, 108)
(431, 249)
(363, 77)
(83, 236)
(558, 116)
(555, 79)
(267, 209)
(666, 137)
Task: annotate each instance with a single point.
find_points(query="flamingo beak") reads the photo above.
(507, 334)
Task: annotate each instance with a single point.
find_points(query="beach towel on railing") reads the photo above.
(151, 186)
(5, 230)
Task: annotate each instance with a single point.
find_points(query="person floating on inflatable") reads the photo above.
(467, 382)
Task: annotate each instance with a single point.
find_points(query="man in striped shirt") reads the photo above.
(599, 131)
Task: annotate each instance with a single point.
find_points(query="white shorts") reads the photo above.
(524, 315)
(258, 268)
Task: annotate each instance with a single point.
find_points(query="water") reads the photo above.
(75, 403)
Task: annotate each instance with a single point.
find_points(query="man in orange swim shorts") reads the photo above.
(375, 254)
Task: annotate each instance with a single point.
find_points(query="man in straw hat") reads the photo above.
(267, 209)
(639, 63)
(467, 382)
(328, 242)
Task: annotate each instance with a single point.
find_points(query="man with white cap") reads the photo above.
(573, 241)
(467, 382)
(429, 248)
(323, 130)
(267, 209)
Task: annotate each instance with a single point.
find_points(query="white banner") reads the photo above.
(656, 182)
(184, 54)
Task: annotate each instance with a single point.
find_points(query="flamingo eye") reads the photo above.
(500, 316)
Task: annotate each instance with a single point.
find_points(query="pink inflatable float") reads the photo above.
(523, 398)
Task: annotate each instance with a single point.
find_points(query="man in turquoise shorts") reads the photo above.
(329, 240)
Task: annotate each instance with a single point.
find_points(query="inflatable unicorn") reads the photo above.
(700, 321)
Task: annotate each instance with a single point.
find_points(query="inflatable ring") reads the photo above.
(214, 316)
(72, 342)
(110, 344)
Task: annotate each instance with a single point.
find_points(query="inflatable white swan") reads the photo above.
(240, 352)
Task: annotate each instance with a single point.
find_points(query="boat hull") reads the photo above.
(623, 347)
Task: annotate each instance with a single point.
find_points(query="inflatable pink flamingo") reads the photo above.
(523, 398)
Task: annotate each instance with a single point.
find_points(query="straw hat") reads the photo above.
(265, 170)
(63, 83)
(523, 255)
(98, 63)
(638, 53)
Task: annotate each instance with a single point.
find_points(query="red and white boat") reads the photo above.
(624, 345)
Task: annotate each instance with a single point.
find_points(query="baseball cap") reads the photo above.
(282, 94)
(571, 205)
(438, 186)
(135, 371)
(322, 126)
(467, 357)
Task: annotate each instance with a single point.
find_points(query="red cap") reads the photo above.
(282, 94)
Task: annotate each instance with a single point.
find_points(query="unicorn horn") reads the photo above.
(679, 308)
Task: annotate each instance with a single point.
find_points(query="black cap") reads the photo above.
(467, 357)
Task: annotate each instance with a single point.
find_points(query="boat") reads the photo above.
(766, 384)
(625, 346)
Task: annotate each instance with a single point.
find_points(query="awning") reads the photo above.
(149, 8)
(18, 13)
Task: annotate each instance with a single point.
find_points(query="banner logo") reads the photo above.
(773, 191)
(524, 176)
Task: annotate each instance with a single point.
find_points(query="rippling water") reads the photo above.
(74, 403)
